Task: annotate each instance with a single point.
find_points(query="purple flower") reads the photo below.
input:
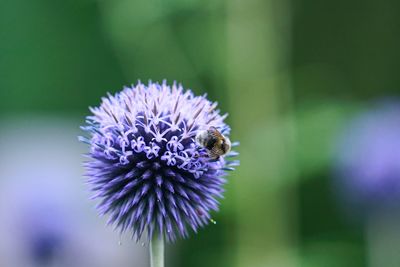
(146, 168)
(368, 159)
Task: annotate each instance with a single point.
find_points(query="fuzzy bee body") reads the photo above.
(214, 142)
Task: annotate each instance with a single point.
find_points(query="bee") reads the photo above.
(214, 142)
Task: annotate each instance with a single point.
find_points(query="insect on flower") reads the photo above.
(145, 167)
(216, 143)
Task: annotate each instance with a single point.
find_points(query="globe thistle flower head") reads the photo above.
(146, 168)
(368, 160)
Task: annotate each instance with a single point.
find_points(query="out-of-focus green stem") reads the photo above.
(383, 239)
(261, 111)
(157, 251)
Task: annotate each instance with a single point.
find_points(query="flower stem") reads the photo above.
(157, 251)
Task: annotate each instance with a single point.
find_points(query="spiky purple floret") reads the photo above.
(146, 168)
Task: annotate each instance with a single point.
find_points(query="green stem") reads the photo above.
(157, 251)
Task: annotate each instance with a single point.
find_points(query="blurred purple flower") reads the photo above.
(145, 166)
(45, 230)
(368, 159)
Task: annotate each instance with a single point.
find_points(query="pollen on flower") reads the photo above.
(145, 167)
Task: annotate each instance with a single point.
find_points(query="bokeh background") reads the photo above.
(303, 81)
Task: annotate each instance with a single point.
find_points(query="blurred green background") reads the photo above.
(289, 73)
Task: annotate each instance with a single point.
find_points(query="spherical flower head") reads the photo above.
(146, 168)
(368, 159)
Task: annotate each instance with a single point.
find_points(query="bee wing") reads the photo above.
(215, 133)
(215, 152)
